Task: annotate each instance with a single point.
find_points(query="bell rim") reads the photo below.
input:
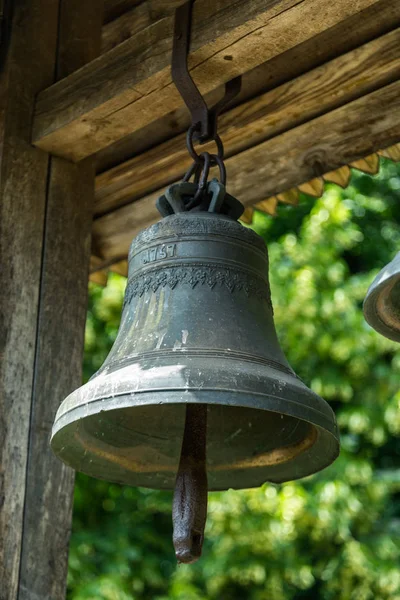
(323, 452)
(190, 399)
(187, 370)
(380, 289)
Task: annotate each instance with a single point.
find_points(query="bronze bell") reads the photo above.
(196, 392)
(197, 328)
(382, 302)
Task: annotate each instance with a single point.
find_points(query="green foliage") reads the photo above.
(335, 535)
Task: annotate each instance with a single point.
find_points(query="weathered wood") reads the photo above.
(35, 489)
(329, 86)
(128, 24)
(28, 68)
(131, 21)
(372, 22)
(60, 335)
(130, 86)
(63, 300)
(115, 8)
(317, 147)
(301, 154)
(114, 232)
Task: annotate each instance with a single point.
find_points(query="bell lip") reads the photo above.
(191, 397)
(379, 288)
(322, 453)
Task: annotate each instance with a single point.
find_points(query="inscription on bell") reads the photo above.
(159, 253)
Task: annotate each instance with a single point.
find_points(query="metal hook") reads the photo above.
(203, 118)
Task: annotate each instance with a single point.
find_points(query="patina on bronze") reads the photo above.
(382, 302)
(197, 330)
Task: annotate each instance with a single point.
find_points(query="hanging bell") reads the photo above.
(382, 302)
(197, 329)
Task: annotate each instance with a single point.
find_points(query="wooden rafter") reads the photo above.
(130, 85)
(316, 92)
(376, 20)
(319, 146)
(134, 17)
(46, 217)
(113, 9)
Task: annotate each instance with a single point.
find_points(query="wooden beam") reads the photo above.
(317, 147)
(132, 20)
(301, 154)
(113, 9)
(327, 87)
(29, 67)
(130, 86)
(126, 25)
(354, 31)
(60, 335)
(45, 227)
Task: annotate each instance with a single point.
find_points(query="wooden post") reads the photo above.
(45, 228)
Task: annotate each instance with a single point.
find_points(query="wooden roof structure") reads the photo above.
(92, 131)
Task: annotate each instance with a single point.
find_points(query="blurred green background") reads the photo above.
(335, 535)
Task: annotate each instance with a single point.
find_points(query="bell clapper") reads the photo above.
(189, 512)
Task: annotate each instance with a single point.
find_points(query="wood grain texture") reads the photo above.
(28, 68)
(113, 9)
(303, 153)
(317, 147)
(125, 26)
(130, 86)
(329, 86)
(131, 21)
(63, 302)
(372, 22)
(60, 335)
